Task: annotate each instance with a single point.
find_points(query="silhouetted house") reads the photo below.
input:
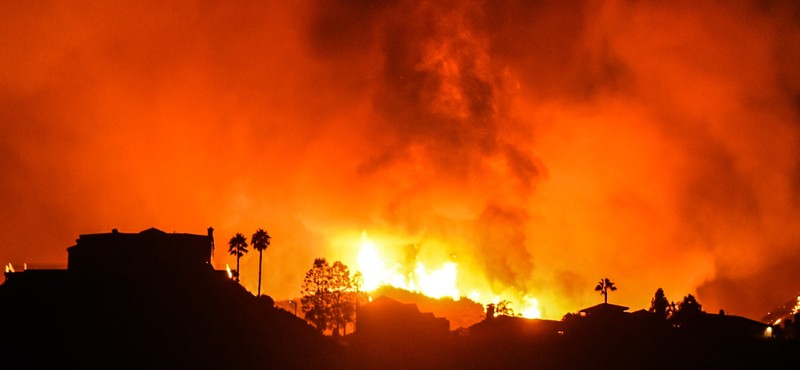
(646, 317)
(386, 318)
(514, 327)
(730, 326)
(151, 250)
(603, 310)
(394, 335)
(52, 277)
(609, 319)
(790, 328)
(150, 253)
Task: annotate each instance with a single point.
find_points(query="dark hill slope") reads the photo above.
(58, 319)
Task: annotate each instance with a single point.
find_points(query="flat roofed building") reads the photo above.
(135, 253)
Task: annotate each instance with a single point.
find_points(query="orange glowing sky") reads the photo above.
(544, 146)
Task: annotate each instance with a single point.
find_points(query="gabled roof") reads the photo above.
(151, 230)
(604, 308)
(385, 303)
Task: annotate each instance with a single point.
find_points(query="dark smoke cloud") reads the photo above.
(540, 145)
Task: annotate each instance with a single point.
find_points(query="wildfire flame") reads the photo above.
(435, 283)
(531, 308)
(797, 306)
(230, 273)
(439, 283)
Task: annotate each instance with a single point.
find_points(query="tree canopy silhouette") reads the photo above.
(260, 241)
(238, 248)
(330, 295)
(342, 299)
(316, 288)
(604, 286)
(690, 304)
(659, 305)
(688, 310)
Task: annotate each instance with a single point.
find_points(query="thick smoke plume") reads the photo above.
(539, 145)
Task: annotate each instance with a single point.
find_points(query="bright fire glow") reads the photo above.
(797, 306)
(531, 308)
(439, 283)
(230, 273)
(435, 283)
(372, 267)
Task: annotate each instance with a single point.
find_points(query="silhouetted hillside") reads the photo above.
(461, 313)
(64, 320)
(190, 316)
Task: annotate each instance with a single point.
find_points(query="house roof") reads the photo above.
(385, 303)
(152, 230)
(507, 325)
(604, 308)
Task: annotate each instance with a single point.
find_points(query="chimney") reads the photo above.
(489, 311)
(211, 236)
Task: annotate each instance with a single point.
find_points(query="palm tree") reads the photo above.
(260, 242)
(604, 286)
(238, 247)
(504, 308)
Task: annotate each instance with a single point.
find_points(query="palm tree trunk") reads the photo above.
(238, 272)
(605, 295)
(260, 253)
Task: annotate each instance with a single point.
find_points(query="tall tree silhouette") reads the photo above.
(316, 292)
(238, 248)
(342, 309)
(660, 305)
(604, 286)
(330, 295)
(260, 241)
(358, 284)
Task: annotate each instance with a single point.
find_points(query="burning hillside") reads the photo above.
(409, 273)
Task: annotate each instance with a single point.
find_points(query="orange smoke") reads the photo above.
(539, 147)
